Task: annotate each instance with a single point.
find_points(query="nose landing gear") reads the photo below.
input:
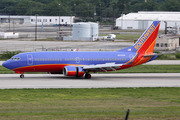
(21, 76)
(19, 72)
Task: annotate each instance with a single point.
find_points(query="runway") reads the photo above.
(97, 81)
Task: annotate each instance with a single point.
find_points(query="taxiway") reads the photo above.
(97, 81)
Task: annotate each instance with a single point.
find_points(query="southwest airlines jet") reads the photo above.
(79, 64)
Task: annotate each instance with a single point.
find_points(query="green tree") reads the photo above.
(171, 5)
(122, 5)
(82, 10)
(52, 9)
(27, 7)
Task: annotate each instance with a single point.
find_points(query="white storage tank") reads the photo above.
(81, 30)
(94, 30)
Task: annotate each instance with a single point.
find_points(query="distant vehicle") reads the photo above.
(178, 48)
(111, 37)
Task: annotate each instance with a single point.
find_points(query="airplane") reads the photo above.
(79, 63)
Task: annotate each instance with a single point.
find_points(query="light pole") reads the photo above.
(36, 28)
(5, 10)
(9, 19)
(113, 16)
(75, 10)
(59, 17)
(9, 22)
(13, 26)
(100, 14)
(125, 8)
(88, 12)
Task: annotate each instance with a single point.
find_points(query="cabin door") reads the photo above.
(77, 60)
(29, 59)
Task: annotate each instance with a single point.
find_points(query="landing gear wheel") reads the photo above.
(21, 76)
(87, 75)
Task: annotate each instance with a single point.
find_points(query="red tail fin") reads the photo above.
(148, 39)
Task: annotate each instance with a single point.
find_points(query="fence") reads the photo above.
(42, 47)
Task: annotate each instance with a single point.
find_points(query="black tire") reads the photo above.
(87, 76)
(21, 76)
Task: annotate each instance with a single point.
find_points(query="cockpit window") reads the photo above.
(15, 58)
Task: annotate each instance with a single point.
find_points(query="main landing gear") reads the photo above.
(21, 76)
(87, 76)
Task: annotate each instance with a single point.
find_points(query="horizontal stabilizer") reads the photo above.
(156, 54)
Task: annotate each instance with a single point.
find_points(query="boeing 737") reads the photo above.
(79, 64)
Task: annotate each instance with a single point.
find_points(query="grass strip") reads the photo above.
(137, 69)
(85, 104)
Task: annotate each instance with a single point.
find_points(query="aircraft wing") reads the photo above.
(102, 67)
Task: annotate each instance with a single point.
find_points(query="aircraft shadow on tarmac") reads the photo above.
(94, 78)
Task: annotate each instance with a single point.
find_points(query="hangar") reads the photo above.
(143, 19)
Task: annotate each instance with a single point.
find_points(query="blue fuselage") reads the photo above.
(67, 58)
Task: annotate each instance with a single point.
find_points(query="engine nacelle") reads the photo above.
(73, 71)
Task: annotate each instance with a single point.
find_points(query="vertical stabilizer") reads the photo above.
(148, 39)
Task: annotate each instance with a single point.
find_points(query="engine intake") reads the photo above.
(73, 71)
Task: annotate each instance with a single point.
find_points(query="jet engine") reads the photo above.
(73, 71)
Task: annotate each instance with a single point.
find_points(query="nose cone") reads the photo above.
(6, 64)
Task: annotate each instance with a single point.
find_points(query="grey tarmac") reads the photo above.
(8, 81)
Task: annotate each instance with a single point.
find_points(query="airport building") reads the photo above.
(84, 31)
(167, 42)
(142, 20)
(46, 20)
